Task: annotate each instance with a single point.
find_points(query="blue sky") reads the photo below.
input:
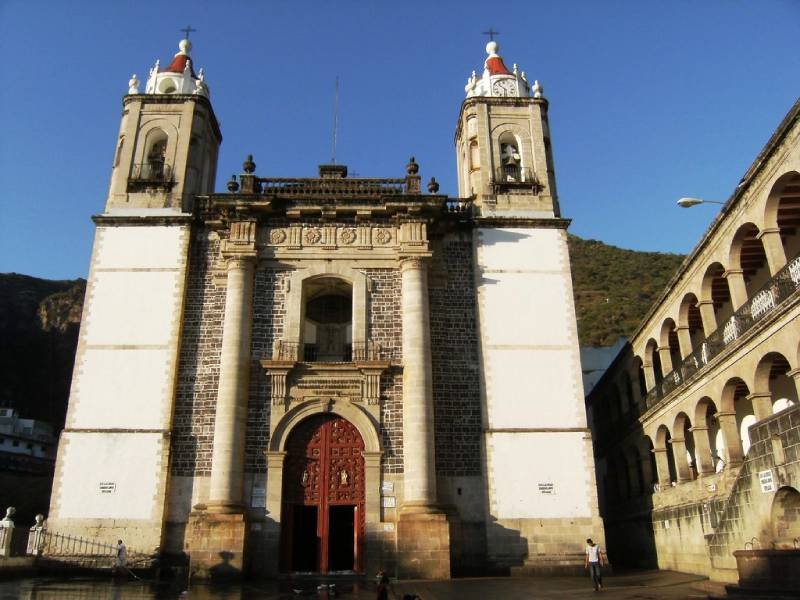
(649, 101)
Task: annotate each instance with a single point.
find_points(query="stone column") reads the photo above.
(730, 433)
(762, 404)
(681, 464)
(702, 450)
(666, 360)
(684, 340)
(662, 466)
(230, 424)
(649, 376)
(737, 287)
(419, 468)
(423, 532)
(795, 374)
(708, 316)
(773, 248)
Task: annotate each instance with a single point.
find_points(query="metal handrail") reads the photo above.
(511, 174)
(155, 171)
(771, 295)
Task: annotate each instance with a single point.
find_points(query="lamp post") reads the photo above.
(689, 202)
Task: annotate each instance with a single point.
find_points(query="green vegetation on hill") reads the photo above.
(614, 287)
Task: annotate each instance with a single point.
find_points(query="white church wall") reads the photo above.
(541, 399)
(111, 471)
(535, 476)
(132, 307)
(111, 391)
(539, 465)
(110, 476)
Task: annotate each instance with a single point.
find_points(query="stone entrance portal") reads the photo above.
(323, 510)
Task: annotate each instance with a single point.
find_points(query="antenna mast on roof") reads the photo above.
(335, 119)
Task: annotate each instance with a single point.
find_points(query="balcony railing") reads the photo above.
(346, 186)
(774, 292)
(357, 351)
(150, 174)
(513, 174)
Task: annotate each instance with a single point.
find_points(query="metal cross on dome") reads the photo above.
(491, 33)
(187, 30)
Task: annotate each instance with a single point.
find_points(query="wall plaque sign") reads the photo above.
(107, 487)
(387, 487)
(767, 481)
(546, 487)
(388, 501)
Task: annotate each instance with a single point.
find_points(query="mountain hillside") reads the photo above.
(614, 287)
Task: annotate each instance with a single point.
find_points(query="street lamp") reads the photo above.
(689, 202)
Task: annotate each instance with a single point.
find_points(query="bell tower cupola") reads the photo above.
(168, 141)
(503, 143)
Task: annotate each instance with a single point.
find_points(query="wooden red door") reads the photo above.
(324, 468)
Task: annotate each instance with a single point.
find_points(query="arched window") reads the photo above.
(154, 166)
(118, 154)
(510, 158)
(328, 322)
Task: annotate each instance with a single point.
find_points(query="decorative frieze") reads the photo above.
(332, 237)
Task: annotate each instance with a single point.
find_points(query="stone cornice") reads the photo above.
(495, 101)
(176, 99)
(522, 222)
(141, 220)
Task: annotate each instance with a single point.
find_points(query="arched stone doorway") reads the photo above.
(785, 517)
(323, 514)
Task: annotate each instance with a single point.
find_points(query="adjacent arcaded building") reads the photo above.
(331, 373)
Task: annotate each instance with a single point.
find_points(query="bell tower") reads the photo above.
(114, 452)
(503, 143)
(531, 387)
(168, 139)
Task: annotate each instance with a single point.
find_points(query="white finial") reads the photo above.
(188, 67)
(201, 75)
(492, 48)
(522, 75)
(133, 85)
(185, 46)
(515, 69)
(538, 90)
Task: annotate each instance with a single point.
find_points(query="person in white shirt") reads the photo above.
(595, 558)
(119, 559)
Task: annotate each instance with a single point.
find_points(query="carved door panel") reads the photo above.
(324, 468)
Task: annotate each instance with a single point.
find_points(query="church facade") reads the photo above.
(332, 373)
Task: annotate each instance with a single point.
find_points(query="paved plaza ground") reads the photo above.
(645, 585)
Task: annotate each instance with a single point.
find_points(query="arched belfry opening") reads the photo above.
(323, 514)
(327, 320)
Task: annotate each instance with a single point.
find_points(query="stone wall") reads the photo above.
(746, 516)
(699, 524)
(454, 350)
(269, 313)
(385, 326)
(198, 369)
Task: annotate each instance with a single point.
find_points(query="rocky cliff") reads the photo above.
(39, 322)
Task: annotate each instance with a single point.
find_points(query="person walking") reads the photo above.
(383, 586)
(594, 560)
(119, 559)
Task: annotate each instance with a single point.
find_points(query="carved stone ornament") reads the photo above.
(304, 479)
(278, 236)
(313, 236)
(382, 236)
(348, 236)
(344, 477)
